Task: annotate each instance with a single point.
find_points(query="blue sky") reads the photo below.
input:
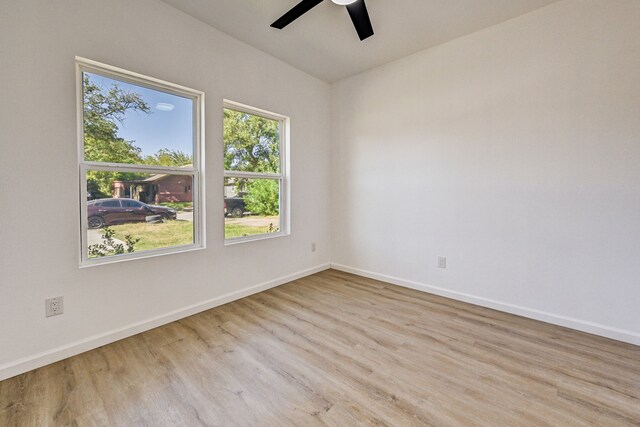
(158, 129)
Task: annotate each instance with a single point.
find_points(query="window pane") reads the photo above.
(128, 203)
(252, 207)
(251, 143)
(127, 123)
(133, 212)
(110, 204)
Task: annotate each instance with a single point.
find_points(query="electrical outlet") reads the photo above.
(313, 246)
(442, 262)
(54, 306)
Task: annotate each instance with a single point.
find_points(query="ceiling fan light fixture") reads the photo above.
(357, 12)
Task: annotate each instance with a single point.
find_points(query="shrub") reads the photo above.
(263, 197)
(110, 247)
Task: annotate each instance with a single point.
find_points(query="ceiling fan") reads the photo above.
(356, 8)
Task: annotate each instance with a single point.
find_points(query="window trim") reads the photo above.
(283, 176)
(196, 171)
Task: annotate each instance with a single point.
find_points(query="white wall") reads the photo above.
(515, 152)
(39, 231)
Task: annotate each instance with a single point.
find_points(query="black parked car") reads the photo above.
(101, 212)
(234, 206)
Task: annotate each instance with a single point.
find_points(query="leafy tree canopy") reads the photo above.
(102, 110)
(263, 197)
(166, 157)
(252, 143)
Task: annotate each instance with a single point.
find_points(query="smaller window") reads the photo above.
(255, 176)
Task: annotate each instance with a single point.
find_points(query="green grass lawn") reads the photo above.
(179, 206)
(239, 230)
(176, 233)
(154, 236)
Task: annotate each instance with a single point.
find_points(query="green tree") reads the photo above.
(166, 157)
(251, 143)
(263, 197)
(103, 109)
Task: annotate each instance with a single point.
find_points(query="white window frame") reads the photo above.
(283, 176)
(196, 171)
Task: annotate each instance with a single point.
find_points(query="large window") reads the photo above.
(255, 176)
(140, 165)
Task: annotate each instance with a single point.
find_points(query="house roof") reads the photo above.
(160, 176)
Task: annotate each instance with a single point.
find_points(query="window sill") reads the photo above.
(93, 262)
(237, 240)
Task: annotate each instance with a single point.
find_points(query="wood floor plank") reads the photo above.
(334, 349)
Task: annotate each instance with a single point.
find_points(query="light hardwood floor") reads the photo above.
(341, 350)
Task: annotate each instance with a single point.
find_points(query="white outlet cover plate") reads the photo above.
(54, 306)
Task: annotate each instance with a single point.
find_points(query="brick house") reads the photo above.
(156, 189)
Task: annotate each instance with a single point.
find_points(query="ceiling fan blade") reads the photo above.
(360, 17)
(296, 12)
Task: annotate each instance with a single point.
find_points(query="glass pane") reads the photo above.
(251, 143)
(251, 207)
(130, 203)
(134, 212)
(110, 204)
(127, 123)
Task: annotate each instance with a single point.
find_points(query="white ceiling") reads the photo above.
(324, 43)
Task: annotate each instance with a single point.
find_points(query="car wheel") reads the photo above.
(95, 222)
(236, 212)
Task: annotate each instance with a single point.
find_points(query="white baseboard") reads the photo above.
(580, 325)
(29, 363)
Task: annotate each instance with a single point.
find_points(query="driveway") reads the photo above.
(185, 216)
